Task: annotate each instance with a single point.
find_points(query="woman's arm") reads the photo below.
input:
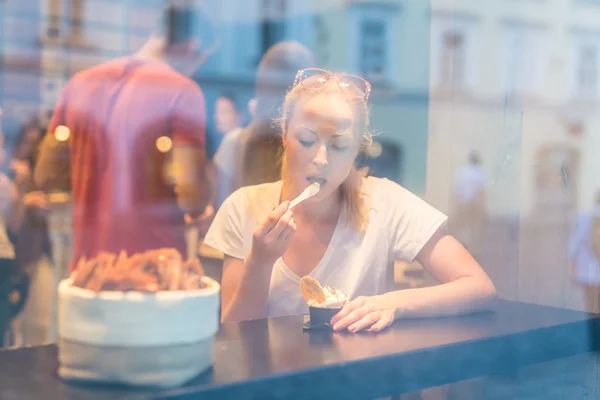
(464, 288)
(245, 285)
(244, 289)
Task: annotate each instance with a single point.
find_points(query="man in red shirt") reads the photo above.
(124, 128)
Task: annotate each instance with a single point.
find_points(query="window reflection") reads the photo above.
(486, 111)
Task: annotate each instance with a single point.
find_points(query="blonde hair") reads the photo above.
(352, 195)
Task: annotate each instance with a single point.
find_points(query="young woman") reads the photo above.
(348, 235)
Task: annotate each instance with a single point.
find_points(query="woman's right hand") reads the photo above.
(275, 234)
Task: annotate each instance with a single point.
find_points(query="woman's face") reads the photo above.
(320, 143)
(227, 117)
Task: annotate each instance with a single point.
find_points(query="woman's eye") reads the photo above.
(340, 147)
(306, 143)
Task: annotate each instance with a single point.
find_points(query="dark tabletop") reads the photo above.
(275, 358)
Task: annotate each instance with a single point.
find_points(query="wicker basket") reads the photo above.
(163, 339)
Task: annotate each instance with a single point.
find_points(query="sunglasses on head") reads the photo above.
(315, 78)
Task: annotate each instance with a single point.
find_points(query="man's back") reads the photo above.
(116, 112)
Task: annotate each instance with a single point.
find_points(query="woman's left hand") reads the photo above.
(362, 313)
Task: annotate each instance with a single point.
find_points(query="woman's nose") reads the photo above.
(321, 156)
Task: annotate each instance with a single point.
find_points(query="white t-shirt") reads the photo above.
(400, 224)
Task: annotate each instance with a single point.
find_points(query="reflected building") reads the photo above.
(385, 41)
(521, 83)
(520, 86)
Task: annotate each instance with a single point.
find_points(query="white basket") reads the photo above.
(160, 339)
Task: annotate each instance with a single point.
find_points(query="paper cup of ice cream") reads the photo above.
(323, 302)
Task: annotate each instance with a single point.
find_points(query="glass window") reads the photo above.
(416, 162)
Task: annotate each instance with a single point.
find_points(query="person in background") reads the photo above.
(252, 107)
(133, 132)
(8, 197)
(584, 260)
(253, 156)
(348, 235)
(28, 228)
(228, 118)
(468, 215)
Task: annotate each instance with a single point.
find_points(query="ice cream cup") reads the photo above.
(320, 316)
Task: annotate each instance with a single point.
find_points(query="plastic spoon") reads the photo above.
(307, 193)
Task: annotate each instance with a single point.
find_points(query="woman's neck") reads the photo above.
(326, 210)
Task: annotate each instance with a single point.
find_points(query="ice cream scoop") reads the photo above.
(323, 302)
(333, 299)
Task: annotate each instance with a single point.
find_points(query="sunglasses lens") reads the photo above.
(353, 85)
(314, 78)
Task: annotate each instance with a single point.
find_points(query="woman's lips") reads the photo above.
(321, 181)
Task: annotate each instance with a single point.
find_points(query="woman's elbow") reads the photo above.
(488, 297)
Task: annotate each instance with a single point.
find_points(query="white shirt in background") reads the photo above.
(587, 266)
(358, 264)
(227, 161)
(469, 182)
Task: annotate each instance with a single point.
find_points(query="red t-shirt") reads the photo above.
(115, 113)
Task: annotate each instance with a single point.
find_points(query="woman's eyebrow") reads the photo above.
(310, 131)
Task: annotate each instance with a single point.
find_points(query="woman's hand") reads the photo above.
(275, 234)
(362, 313)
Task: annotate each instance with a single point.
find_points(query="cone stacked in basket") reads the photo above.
(152, 271)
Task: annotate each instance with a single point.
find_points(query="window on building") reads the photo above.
(453, 60)
(371, 37)
(453, 63)
(524, 57)
(273, 22)
(587, 71)
(373, 48)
